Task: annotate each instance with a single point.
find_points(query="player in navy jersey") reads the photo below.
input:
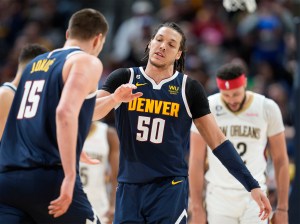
(154, 134)
(8, 89)
(49, 120)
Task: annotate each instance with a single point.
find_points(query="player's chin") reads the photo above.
(234, 108)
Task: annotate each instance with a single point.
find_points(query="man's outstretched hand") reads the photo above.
(263, 202)
(84, 158)
(124, 93)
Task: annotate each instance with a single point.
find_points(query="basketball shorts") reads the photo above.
(163, 201)
(26, 194)
(230, 206)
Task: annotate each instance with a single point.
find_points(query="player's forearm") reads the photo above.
(229, 157)
(103, 106)
(282, 180)
(196, 180)
(67, 126)
(196, 193)
(114, 182)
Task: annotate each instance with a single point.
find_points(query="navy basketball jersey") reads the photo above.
(29, 139)
(154, 129)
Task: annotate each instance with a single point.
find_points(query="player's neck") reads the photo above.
(158, 73)
(17, 78)
(85, 46)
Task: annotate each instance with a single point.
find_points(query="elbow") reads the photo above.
(64, 114)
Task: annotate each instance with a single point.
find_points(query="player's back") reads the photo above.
(30, 139)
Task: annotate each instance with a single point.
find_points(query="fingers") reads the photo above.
(128, 86)
(124, 93)
(136, 95)
(58, 207)
(88, 160)
(265, 207)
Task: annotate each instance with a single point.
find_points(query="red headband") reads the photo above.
(232, 83)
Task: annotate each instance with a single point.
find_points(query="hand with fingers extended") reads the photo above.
(84, 158)
(60, 205)
(263, 202)
(124, 93)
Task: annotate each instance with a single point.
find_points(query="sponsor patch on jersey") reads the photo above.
(176, 182)
(140, 84)
(173, 89)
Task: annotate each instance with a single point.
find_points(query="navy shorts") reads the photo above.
(26, 194)
(164, 201)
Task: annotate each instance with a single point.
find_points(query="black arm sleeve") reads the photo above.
(235, 165)
(115, 79)
(196, 98)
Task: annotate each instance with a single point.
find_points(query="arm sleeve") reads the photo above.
(196, 98)
(273, 117)
(235, 165)
(116, 79)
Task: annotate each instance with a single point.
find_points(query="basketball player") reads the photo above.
(250, 121)
(154, 132)
(8, 89)
(102, 144)
(49, 120)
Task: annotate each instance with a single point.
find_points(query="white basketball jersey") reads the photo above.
(93, 176)
(248, 130)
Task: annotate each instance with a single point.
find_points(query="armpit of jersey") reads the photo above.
(116, 79)
(197, 98)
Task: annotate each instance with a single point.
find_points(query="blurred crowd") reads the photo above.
(264, 41)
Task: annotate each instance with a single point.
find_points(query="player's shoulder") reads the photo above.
(266, 104)
(84, 57)
(85, 62)
(6, 94)
(257, 96)
(265, 100)
(121, 74)
(214, 98)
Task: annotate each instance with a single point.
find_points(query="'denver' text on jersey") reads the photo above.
(153, 127)
(154, 106)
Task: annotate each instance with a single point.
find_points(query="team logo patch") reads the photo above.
(219, 109)
(227, 85)
(173, 89)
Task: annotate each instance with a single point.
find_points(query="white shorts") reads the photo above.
(229, 206)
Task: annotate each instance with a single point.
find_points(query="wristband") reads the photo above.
(229, 157)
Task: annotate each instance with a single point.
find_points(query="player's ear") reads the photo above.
(178, 55)
(67, 34)
(97, 40)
